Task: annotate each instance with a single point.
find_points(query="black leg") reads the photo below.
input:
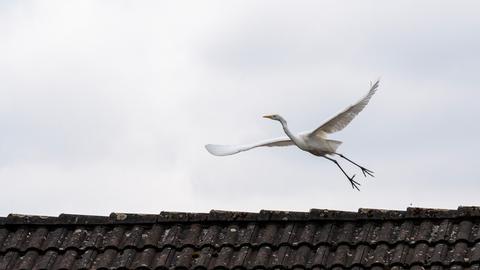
(354, 183)
(364, 170)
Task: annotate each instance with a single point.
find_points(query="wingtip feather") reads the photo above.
(221, 150)
(375, 85)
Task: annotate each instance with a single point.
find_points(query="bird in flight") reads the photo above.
(314, 142)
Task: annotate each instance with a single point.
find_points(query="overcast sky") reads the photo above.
(105, 106)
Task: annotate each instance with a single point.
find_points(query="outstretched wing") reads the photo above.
(341, 120)
(225, 150)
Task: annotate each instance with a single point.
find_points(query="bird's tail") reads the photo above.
(333, 144)
(223, 150)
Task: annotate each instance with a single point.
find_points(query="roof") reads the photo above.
(319, 239)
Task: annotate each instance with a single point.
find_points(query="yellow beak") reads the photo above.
(268, 116)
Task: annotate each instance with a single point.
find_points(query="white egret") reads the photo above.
(314, 142)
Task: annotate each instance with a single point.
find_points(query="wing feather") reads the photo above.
(341, 120)
(225, 150)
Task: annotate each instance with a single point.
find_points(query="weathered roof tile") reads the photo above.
(318, 239)
(143, 258)
(67, 260)
(46, 261)
(27, 261)
(124, 218)
(86, 259)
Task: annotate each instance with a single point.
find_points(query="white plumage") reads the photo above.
(226, 150)
(314, 142)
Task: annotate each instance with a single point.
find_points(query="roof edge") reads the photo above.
(232, 216)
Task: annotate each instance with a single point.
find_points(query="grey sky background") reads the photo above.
(106, 105)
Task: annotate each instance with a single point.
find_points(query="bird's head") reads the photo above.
(274, 117)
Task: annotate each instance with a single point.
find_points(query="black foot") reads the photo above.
(367, 171)
(354, 183)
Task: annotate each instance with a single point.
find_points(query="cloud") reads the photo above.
(113, 102)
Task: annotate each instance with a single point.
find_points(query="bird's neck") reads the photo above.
(289, 133)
